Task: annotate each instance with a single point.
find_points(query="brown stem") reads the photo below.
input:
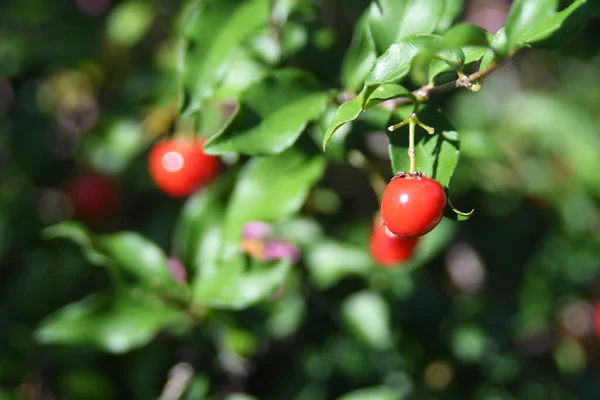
(424, 93)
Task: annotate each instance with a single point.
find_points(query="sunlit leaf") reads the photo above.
(436, 155)
(114, 324)
(270, 116)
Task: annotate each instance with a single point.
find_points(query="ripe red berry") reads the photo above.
(94, 196)
(179, 167)
(388, 249)
(412, 205)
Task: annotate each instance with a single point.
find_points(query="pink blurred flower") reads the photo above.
(256, 230)
(278, 249)
(177, 269)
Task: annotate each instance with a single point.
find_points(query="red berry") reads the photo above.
(388, 249)
(179, 167)
(412, 205)
(94, 196)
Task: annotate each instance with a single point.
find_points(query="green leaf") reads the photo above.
(523, 15)
(394, 20)
(466, 34)
(77, 233)
(197, 233)
(337, 146)
(232, 287)
(385, 92)
(214, 30)
(270, 116)
(452, 10)
(368, 316)
(270, 189)
(436, 155)
(471, 39)
(139, 257)
(373, 393)
(542, 29)
(359, 57)
(395, 63)
(473, 53)
(496, 51)
(330, 261)
(114, 324)
(387, 21)
(347, 112)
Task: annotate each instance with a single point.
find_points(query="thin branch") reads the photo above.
(424, 93)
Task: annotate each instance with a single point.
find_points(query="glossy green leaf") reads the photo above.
(395, 63)
(114, 324)
(243, 70)
(232, 287)
(330, 261)
(387, 91)
(523, 15)
(387, 21)
(359, 57)
(270, 189)
(437, 155)
(543, 28)
(138, 256)
(497, 50)
(270, 116)
(368, 316)
(213, 31)
(394, 20)
(474, 53)
(465, 34)
(373, 393)
(337, 145)
(347, 112)
(77, 233)
(473, 41)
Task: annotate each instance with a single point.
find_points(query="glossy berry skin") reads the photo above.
(94, 196)
(389, 250)
(412, 205)
(178, 167)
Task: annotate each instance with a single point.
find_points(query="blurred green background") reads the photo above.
(498, 307)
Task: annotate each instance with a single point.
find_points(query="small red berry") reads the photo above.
(412, 205)
(179, 167)
(388, 249)
(94, 196)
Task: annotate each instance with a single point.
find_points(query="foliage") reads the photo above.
(261, 285)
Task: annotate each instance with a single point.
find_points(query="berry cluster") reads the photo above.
(412, 205)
